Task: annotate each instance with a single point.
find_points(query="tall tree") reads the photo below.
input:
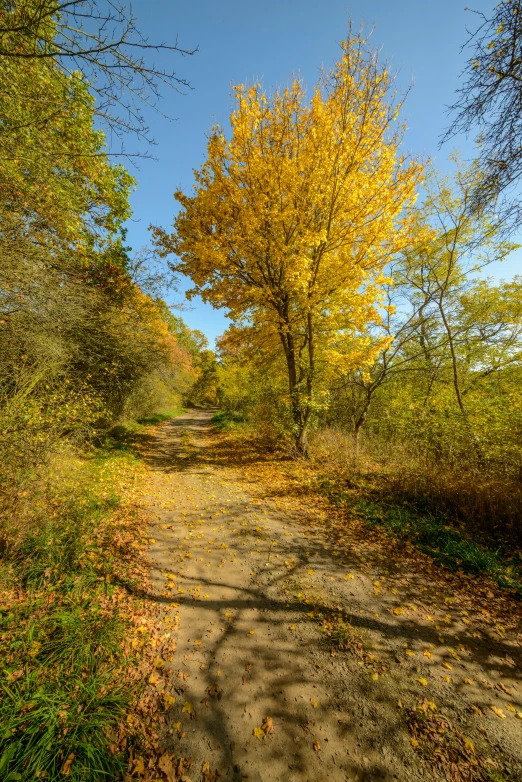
(490, 99)
(295, 216)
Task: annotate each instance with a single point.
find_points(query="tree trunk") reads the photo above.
(300, 413)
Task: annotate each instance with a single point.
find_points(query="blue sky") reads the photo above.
(242, 40)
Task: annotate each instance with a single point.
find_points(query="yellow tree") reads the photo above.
(295, 215)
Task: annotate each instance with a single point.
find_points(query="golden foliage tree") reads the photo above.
(295, 216)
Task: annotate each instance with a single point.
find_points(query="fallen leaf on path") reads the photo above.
(267, 726)
(398, 611)
(314, 704)
(207, 775)
(469, 745)
(316, 746)
(187, 708)
(166, 764)
(498, 712)
(214, 691)
(169, 700)
(259, 733)
(422, 681)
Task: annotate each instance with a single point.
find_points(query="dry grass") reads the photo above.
(481, 501)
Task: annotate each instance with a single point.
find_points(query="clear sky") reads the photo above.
(242, 40)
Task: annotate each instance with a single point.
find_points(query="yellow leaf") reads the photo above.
(468, 681)
(498, 712)
(159, 663)
(314, 704)
(251, 632)
(447, 679)
(154, 678)
(316, 746)
(187, 708)
(398, 611)
(448, 666)
(414, 742)
(292, 627)
(427, 654)
(259, 733)
(422, 681)
(169, 700)
(410, 653)
(469, 745)
(375, 676)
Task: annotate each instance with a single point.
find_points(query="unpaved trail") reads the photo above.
(247, 583)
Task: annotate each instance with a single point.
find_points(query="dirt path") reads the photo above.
(298, 658)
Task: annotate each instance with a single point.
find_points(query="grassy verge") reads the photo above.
(67, 620)
(225, 420)
(431, 534)
(158, 418)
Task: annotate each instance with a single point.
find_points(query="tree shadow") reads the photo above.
(363, 702)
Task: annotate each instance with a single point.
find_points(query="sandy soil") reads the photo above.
(258, 597)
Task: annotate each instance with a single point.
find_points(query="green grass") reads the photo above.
(63, 687)
(158, 418)
(225, 419)
(431, 534)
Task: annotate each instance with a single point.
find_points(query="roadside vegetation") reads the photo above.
(367, 342)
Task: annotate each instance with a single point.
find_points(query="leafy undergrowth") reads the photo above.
(78, 635)
(225, 420)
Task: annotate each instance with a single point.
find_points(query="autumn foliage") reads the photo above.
(294, 218)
